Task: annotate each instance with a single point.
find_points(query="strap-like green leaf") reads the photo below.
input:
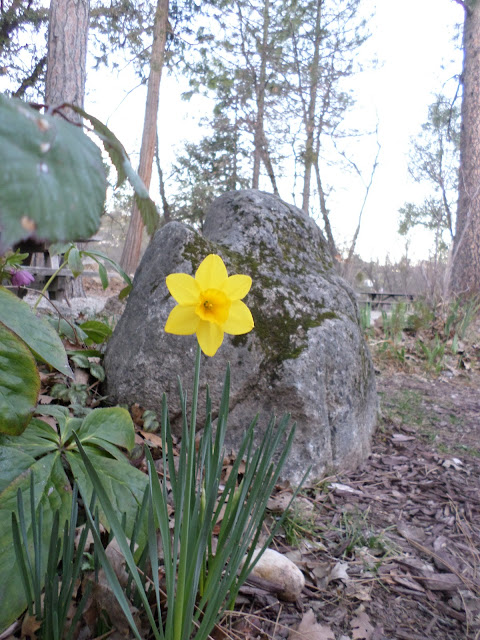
(123, 483)
(52, 491)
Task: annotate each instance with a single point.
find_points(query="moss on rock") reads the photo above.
(281, 335)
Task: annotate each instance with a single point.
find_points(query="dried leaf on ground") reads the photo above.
(118, 562)
(339, 572)
(102, 598)
(361, 627)
(30, 626)
(153, 439)
(309, 629)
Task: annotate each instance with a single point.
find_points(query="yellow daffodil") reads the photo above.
(210, 304)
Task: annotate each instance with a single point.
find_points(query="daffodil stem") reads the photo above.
(196, 382)
(182, 589)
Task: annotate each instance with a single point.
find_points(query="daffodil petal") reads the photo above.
(236, 287)
(210, 337)
(184, 288)
(182, 321)
(212, 273)
(239, 319)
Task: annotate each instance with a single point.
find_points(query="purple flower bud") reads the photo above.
(22, 278)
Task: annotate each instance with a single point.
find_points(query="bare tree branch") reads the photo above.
(367, 191)
(31, 80)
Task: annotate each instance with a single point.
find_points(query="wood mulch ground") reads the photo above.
(394, 546)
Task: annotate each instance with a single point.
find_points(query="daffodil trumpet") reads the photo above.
(209, 304)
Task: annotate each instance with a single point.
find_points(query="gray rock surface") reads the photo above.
(306, 355)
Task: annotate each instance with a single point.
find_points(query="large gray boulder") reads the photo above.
(306, 356)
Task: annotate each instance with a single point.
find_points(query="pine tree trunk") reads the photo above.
(133, 242)
(465, 263)
(67, 53)
(310, 116)
(66, 69)
(260, 99)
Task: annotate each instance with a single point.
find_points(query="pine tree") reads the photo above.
(465, 268)
(23, 46)
(133, 242)
(434, 162)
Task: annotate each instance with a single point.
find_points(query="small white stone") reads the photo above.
(277, 568)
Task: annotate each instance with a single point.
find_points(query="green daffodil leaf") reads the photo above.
(52, 492)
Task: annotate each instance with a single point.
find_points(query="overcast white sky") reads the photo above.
(413, 41)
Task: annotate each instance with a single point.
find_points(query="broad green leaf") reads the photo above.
(58, 248)
(145, 204)
(102, 272)
(119, 158)
(96, 330)
(81, 360)
(71, 424)
(97, 371)
(112, 424)
(65, 422)
(68, 329)
(52, 490)
(98, 254)
(13, 464)
(55, 410)
(111, 143)
(125, 292)
(102, 447)
(75, 261)
(124, 484)
(95, 353)
(52, 183)
(38, 439)
(38, 334)
(19, 383)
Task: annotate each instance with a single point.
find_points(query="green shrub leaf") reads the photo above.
(75, 261)
(111, 425)
(102, 272)
(52, 183)
(19, 383)
(36, 441)
(119, 158)
(96, 330)
(97, 371)
(81, 361)
(38, 334)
